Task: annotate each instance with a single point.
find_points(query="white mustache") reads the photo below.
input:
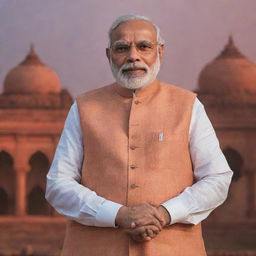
(128, 66)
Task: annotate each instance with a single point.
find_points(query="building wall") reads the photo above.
(28, 138)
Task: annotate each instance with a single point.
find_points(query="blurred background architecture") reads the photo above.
(227, 88)
(33, 107)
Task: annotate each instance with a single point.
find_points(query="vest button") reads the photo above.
(134, 186)
(133, 166)
(136, 102)
(133, 147)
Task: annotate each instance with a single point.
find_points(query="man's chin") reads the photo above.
(134, 81)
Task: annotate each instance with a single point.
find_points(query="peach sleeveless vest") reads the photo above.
(136, 150)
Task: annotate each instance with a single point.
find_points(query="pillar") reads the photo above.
(20, 204)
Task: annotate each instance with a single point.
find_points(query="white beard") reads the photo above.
(133, 81)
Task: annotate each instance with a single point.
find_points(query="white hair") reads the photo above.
(129, 17)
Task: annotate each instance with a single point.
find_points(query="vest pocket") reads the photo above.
(164, 149)
(158, 149)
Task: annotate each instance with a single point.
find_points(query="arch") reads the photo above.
(6, 159)
(235, 162)
(36, 202)
(7, 184)
(36, 182)
(4, 206)
(39, 160)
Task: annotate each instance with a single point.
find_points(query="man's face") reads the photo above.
(134, 54)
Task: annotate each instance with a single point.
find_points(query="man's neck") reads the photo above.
(132, 92)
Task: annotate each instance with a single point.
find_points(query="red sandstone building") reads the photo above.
(33, 108)
(227, 88)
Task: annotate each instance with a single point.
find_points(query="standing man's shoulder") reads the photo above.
(96, 94)
(176, 91)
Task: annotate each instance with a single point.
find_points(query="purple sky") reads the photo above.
(71, 36)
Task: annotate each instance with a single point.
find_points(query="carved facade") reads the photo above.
(33, 108)
(227, 88)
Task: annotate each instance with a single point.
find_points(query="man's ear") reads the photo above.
(108, 53)
(161, 52)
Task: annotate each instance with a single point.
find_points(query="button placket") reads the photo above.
(134, 141)
(133, 186)
(133, 166)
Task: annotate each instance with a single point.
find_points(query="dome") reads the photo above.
(31, 76)
(230, 73)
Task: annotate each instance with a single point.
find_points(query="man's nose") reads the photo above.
(133, 55)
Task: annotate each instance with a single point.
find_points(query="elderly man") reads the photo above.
(138, 165)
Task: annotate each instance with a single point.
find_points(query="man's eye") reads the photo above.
(144, 47)
(121, 48)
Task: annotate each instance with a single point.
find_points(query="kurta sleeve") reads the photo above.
(64, 191)
(211, 171)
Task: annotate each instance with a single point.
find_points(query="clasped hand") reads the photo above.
(142, 222)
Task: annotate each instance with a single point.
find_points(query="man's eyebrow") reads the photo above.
(126, 42)
(143, 41)
(120, 42)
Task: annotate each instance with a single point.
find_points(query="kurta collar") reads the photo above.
(143, 92)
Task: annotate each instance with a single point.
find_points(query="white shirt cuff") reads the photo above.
(176, 209)
(106, 214)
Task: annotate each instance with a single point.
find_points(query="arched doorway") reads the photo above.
(36, 182)
(7, 184)
(4, 206)
(235, 162)
(36, 202)
(236, 204)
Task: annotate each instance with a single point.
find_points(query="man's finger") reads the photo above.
(141, 230)
(133, 224)
(148, 221)
(158, 216)
(136, 231)
(150, 232)
(140, 238)
(145, 237)
(155, 230)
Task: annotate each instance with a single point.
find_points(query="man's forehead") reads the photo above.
(134, 28)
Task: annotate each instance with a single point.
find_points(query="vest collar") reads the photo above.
(143, 92)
